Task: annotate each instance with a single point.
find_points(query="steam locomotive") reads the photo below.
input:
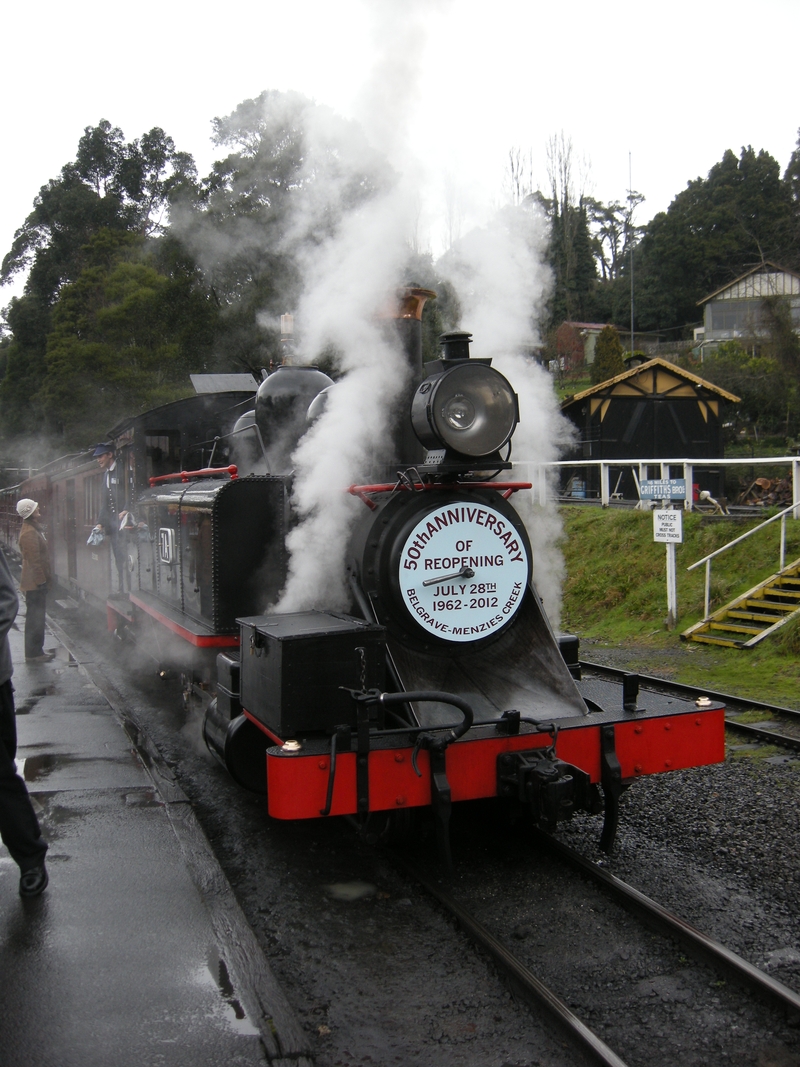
(442, 682)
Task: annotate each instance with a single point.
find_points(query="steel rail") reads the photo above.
(693, 690)
(531, 987)
(693, 940)
(770, 737)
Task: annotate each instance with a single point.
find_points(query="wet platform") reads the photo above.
(137, 952)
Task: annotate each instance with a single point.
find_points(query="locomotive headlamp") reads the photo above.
(467, 407)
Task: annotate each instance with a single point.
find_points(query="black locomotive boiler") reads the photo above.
(442, 681)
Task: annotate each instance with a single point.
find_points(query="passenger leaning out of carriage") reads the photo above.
(113, 515)
(33, 580)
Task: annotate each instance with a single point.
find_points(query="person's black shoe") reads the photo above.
(44, 658)
(33, 882)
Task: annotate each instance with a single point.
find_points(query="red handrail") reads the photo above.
(507, 488)
(206, 472)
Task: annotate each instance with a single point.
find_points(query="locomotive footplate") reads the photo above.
(609, 747)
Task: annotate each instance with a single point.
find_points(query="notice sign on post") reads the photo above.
(668, 527)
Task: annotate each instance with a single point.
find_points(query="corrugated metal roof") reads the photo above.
(224, 383)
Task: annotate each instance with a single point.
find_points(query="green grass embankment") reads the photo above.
(615, 599)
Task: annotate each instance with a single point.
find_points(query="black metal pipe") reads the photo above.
(441, 698)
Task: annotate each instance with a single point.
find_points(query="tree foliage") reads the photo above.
(769, 395)
(738, 217)
(608, 361)
(110, 185)
(292, 172)
(78, 227)
(125, 335)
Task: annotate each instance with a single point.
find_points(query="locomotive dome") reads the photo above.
(282, 403)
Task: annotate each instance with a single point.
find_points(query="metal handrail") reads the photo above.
(743, 537)
(537, 472)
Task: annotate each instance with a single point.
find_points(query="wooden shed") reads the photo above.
(654, 411)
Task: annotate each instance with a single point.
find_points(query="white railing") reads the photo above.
(641, 468)
(737, 540)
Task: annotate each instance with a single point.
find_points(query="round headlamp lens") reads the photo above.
(459, 412)
(472, 409)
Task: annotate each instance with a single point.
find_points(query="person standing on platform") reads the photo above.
(33, 580)
(112, 506)
(19, 827)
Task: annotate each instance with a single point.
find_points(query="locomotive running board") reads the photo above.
(200, 635)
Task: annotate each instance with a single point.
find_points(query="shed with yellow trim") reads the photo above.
(656, 410)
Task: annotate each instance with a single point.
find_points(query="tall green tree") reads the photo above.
(125, 335)
(739, 216)
(111, 184)
(792, 178)
(608, 361)
(571, 253)
(113, 187)
(293, 170)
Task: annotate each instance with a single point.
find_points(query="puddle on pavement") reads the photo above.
(142, 798)
(215, 975)
(26, 706)
(349, 891)
(34, 768)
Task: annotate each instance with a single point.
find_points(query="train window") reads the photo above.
(162, 454)
(92, 488)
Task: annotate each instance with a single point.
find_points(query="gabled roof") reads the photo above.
(763, 268)
(587, 325)
(651, 364)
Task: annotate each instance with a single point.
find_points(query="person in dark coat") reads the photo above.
(19, 827)
(112, 506)
(33, 580)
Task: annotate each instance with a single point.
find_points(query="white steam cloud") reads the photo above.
(351, 258)
(502, 280)
(350, 278)
(350, 282)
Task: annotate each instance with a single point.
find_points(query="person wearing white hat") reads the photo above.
(33, 580)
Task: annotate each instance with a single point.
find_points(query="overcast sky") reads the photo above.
(673, 84)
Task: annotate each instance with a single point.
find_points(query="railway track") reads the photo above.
(405, 925)
(705, 950)
(781, 726)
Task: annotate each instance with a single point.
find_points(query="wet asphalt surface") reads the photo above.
(378, 974)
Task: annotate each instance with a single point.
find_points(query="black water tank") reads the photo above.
(282, 404)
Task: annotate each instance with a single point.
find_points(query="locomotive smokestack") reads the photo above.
(407, 317)
(455, 345)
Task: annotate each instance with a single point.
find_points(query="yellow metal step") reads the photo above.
(752, 616)
(707, 639)
(736, 628)
(761, 604)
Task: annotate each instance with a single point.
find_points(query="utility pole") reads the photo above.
(630, 238)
